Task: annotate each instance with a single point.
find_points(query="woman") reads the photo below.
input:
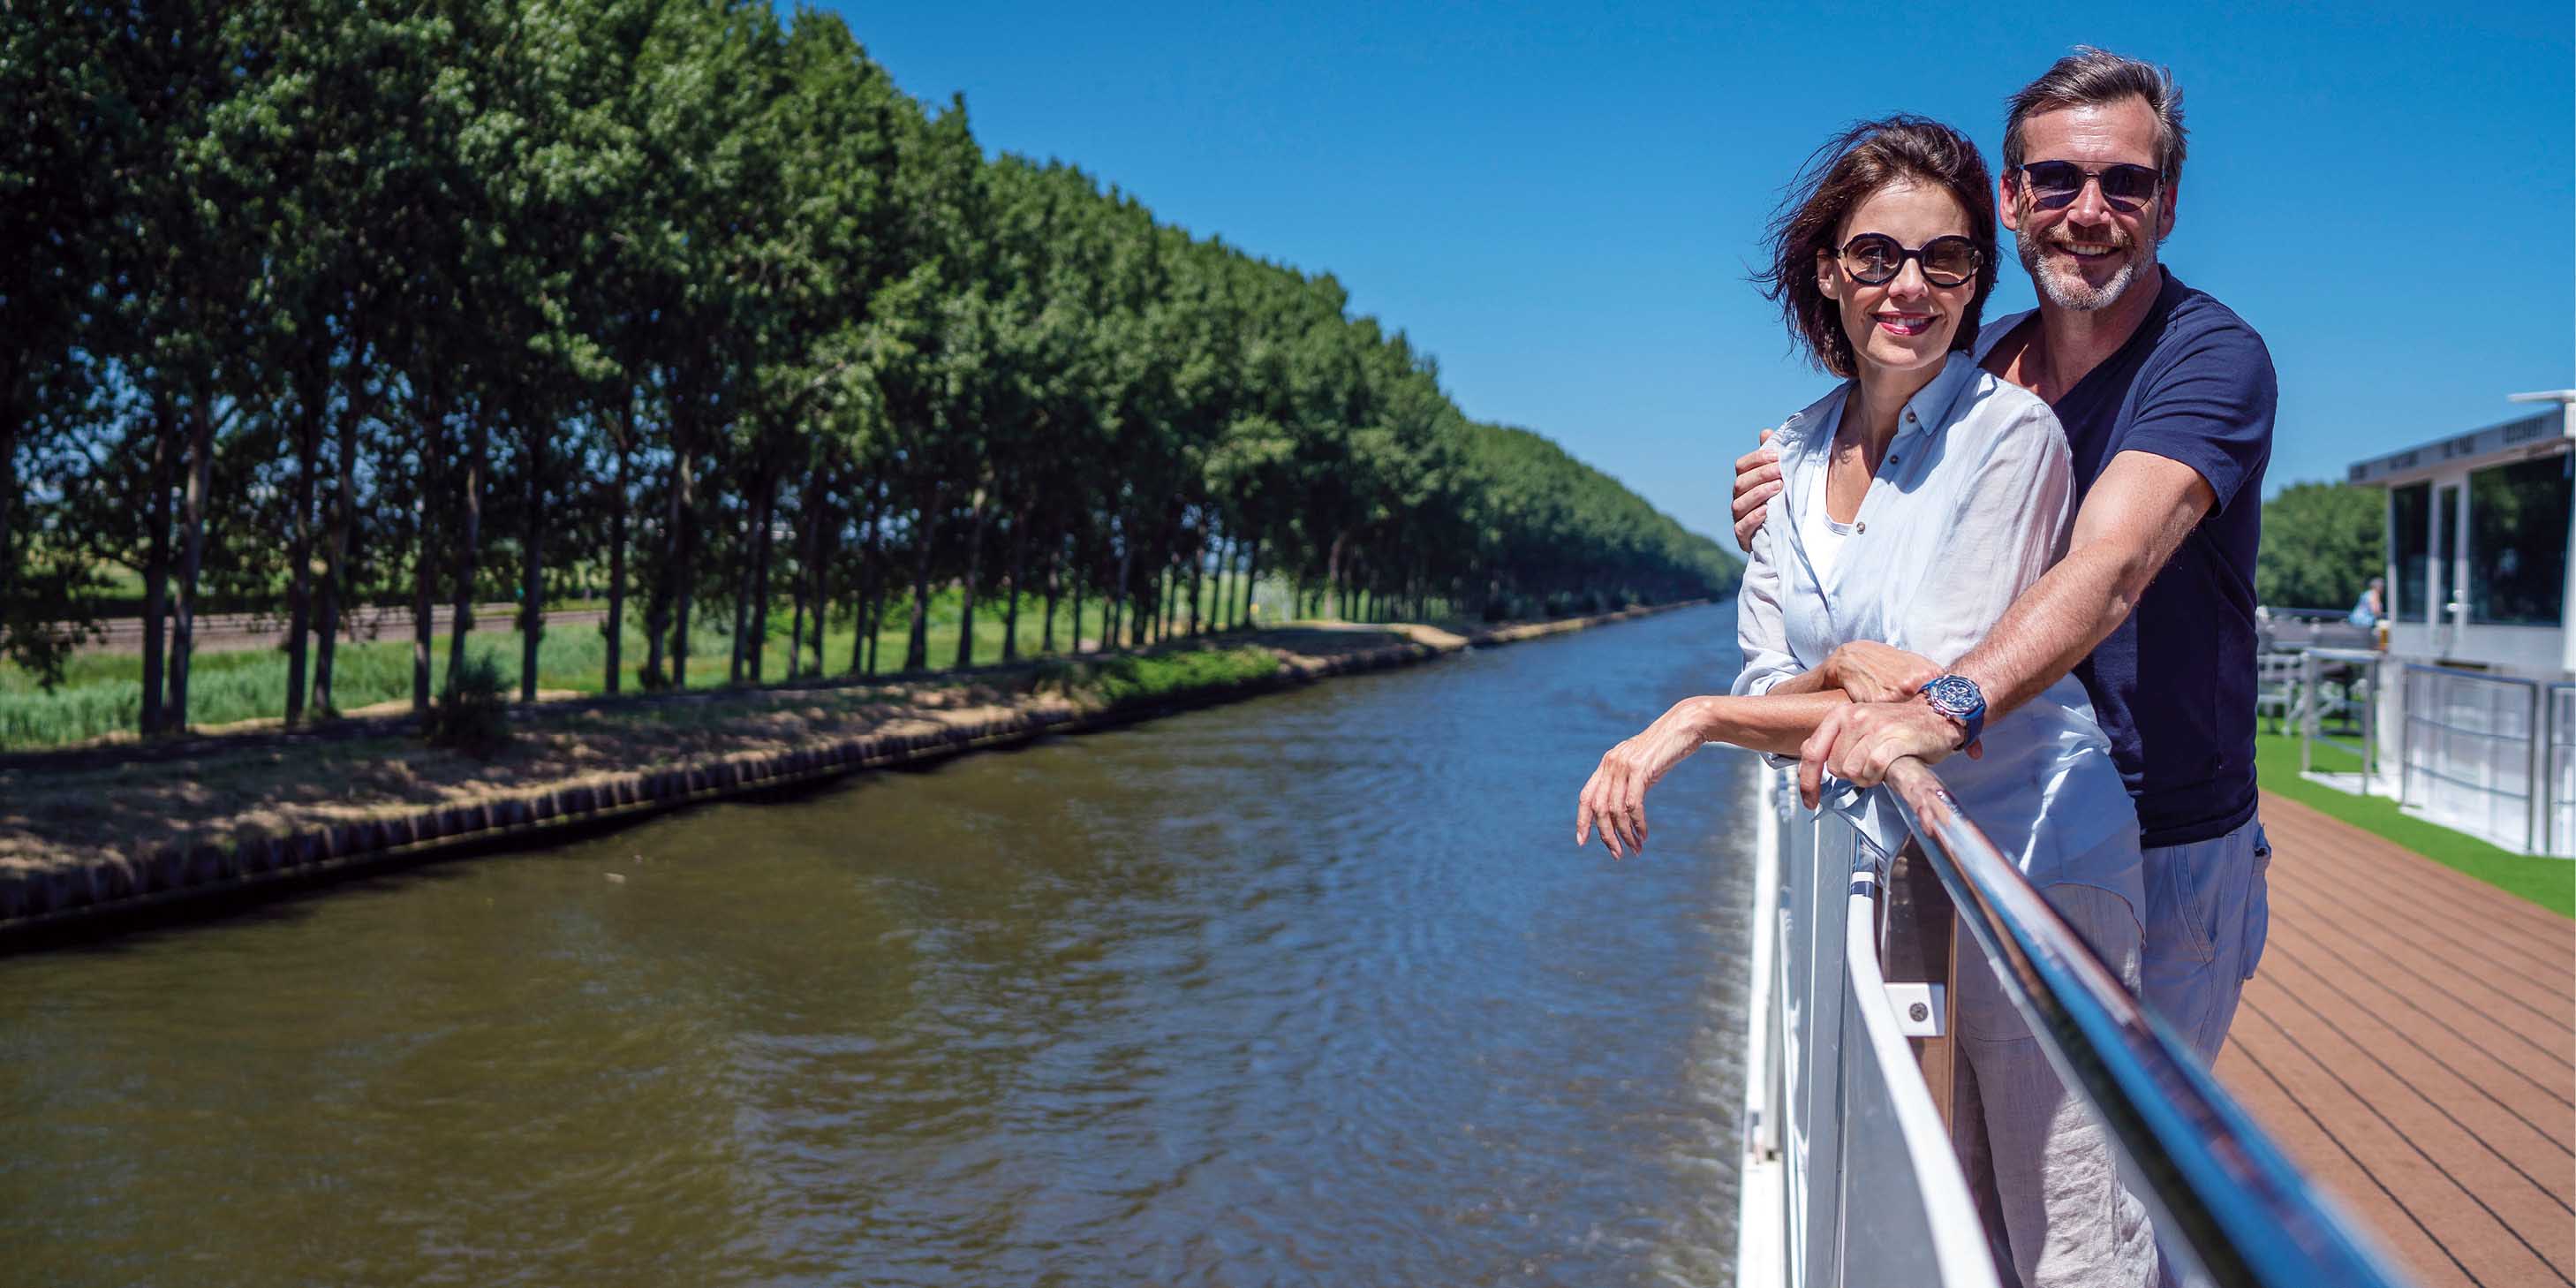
(1918, 499)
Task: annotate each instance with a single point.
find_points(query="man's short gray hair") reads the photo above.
(2092, 77)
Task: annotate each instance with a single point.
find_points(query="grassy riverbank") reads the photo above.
(101, 694)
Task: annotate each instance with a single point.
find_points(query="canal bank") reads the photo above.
(90, 847)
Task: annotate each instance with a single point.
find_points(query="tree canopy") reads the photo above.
(316, 305)
(2322, 543)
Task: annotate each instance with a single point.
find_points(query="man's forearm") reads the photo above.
(2054, 625)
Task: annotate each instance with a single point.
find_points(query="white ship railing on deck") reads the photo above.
(1850, 1175)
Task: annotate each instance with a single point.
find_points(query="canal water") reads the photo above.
(1309, 990)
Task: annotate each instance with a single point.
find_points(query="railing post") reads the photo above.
(2406, 737)
(2308, 711)
(2370, 730)
(2536, 730)
(1919, 946)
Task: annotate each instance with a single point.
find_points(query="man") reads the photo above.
(2367, 610)
(2167, 401)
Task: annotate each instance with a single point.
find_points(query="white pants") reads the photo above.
(2043, 1167)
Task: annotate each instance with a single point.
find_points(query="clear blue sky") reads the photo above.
(1563, 206)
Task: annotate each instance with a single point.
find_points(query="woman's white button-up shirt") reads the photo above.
(1971, 504)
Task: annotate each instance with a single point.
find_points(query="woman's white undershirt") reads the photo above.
(1824, 538)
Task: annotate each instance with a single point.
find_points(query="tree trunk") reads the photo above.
(983, 509)
(1198, 566)
(532, 579)
(1121, 591)
(1251, 581)
(916, 650)
(1080, 583)
(469, 544)
(683, 541)
(156, 561)
(615, 629)
(1011, 607)
(761, 549)
(10, 426)
(423, 613)
(312, 390)
(433, 452)
(859, 634)
(754, 556)
(192, 553)
(809, 542)
(876, 573)
(827, 552)
(796, 622)
(344, 522)
(1220, 590)
(1046, 640)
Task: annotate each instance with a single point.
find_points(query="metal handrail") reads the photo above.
(2219, 1189)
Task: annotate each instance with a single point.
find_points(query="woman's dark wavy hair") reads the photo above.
(1842, 174)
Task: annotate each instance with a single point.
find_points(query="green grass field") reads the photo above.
(102, 693)
(2551, 883)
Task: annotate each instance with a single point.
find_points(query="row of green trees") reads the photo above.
(2322, 543)
(315, 303)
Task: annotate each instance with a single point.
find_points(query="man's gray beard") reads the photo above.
(2071, 292)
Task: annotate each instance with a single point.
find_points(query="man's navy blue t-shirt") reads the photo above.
(2174, 685)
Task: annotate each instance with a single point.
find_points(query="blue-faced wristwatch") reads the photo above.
(1959, 698)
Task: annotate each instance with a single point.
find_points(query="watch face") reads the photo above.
(1954, 695)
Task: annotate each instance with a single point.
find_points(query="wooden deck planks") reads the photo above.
(2411, 1039)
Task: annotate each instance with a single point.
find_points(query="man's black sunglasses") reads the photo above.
(1873, 259)
(2055, 184)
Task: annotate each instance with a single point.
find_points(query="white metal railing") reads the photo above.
(1843, 1127)
(2560, 781)
(2471, 752)
(2340, 685)
(1868, 1185)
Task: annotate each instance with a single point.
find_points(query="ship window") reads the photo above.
(2410, 508)
(2518, 517)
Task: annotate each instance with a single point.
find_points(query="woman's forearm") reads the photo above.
(1778, 722)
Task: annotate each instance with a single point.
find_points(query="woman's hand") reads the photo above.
(1615, 798)
(1869, 671)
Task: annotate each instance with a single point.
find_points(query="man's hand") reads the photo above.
(1757, 480)
(1859, 742)
(1869, 671)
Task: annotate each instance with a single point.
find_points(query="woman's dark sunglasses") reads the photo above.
(2054, 184)
(1874, 259)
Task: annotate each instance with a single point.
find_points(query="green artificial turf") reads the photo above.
(2549, 882)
